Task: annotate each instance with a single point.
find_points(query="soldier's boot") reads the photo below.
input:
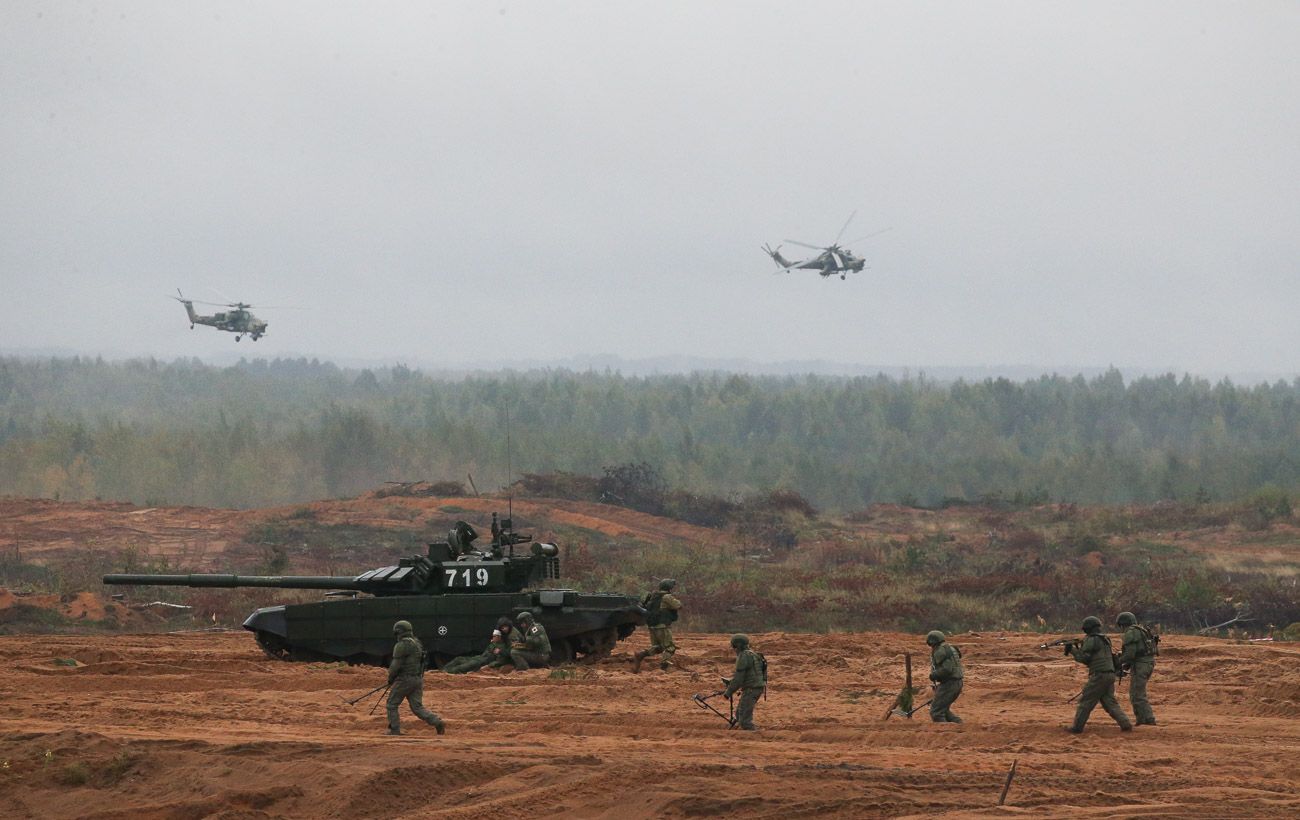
(440, 728)
(394, 731)
(638, 659)
(1126, 727)
(665, 664)
(519, 663)
(1074, 730)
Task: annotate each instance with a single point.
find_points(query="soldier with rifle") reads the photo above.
(1095, 653)
(406, 680)
(661, 609)
(1138, 658)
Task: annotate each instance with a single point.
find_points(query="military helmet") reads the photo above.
(1091, 624)
(1126, 619)
(935, 637)
(525, 616)
(667, 584)
(739, 641)
(402, 628)
(503, 622)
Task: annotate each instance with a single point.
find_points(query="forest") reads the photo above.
(265, 433)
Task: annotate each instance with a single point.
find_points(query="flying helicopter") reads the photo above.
(237, 321)
(833, 258)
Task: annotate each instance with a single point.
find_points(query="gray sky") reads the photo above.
(1069, 184)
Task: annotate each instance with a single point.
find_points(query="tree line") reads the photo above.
(289, 430)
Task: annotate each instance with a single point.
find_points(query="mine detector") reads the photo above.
(453, 596)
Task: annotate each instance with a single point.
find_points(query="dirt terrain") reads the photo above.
(203, 725)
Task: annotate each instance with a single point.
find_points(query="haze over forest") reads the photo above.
(286, 431)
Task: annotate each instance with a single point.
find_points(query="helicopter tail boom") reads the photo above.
(189, 308)
(780, 260)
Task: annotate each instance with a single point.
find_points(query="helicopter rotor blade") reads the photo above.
(845, 228)
(805, 244)
(868, 236)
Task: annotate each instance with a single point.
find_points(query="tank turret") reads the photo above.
(453, 596)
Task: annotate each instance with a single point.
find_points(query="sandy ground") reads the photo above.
(203, 725)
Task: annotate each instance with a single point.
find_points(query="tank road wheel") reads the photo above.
(562, 651)
(273, 645)
(592, 647)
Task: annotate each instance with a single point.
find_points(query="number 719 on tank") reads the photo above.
(472, 577)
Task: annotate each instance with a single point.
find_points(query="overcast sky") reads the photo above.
(1068, 184)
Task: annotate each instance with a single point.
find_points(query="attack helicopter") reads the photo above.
(237, 321)
(833, 258)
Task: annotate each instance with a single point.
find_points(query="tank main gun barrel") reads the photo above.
(444, 570)
(213, 580)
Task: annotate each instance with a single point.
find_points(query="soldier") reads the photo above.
(1095, 653)
(406, 680)
(531, 647)
(750, 678)
(1138, 658)
(946, 674)
(496, 654)
(660, 614)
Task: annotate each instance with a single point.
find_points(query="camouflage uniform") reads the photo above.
(1095, 653)
(1138, 657)
(663, 606)
(748, 679)
(406, 677)
(496, 654)
(533, 648)
(946, 672)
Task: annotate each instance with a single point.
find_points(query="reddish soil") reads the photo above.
(197, 725)
(203, 725)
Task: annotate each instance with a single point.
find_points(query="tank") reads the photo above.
(453, 596)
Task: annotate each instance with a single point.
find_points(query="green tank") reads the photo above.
(453, 596)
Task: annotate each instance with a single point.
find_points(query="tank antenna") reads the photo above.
(510, 476)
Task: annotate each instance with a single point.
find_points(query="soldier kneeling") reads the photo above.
(531, 647)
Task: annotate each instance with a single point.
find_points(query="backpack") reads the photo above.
(762, 666)
(424, 653)
(1150, 646)
(655, 614)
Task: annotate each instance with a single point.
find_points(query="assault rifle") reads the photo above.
(1069, 642)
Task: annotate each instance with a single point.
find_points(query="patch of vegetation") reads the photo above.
(1041, 568)
(116, 768)
(24, 618)
(284, 545)
(73, 774)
